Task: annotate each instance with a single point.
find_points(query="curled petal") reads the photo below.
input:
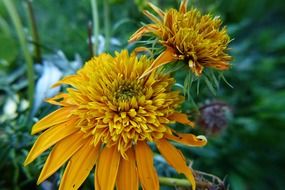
(187, 139)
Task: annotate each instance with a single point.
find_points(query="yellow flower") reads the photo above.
(197, 40)
(106, 118)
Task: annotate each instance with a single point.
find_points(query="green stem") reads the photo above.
(181, 182)
(34, 30)
(95, 15)
(174, 182)
(24, 46)
(107, 25)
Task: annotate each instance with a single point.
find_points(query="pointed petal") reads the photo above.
(183, 6)
(157, 10)
(49, 138)
(147, 173)
(165, 57)
(138, 34)
(187, 139)
(61, 152)
(59, 116)
(176, 159)
(127, 178)
(79, 166)
(70, 80)
(107, 168)
(181, 118)
(152, 17)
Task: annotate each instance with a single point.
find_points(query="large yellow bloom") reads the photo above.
(189, 36)
(106, 118)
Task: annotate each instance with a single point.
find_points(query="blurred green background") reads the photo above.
(249, 150)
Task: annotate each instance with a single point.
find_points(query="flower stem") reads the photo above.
(95, 15)
(180, 182)
(24, 46)
(34, 30)
(107, 24)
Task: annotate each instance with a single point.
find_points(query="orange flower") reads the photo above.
(107, 118)
(197, 40)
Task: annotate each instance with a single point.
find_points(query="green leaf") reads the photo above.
(8, 48)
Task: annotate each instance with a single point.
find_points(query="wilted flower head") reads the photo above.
(195, 39)
(107, 117)
(214, 117)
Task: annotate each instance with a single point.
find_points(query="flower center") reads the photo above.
(126, 90)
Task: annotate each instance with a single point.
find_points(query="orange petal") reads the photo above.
(48, 139)
(164, 58)
(139, 33)
(59, 116)
(183, 6)
(181, 118)
(157, 10)
(140, 49)
(107, 168)
(187, 139)
(152, 17)
(147, 174)
(176, 159)
(79, 166)
(61, 152)
(127, 175)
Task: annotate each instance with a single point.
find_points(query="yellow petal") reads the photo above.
(187, 139)
(165, 57)
(48, 139)
(56, 117)
(176, 159)
(61, 152)
(127, 178)
(183, 6)
(147, 173)
(181, 118)
(157, 10)
(79, 166)
(70, 80)
(107, 168)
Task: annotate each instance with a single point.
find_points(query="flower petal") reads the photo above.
(157, 10)
(187, 139)
(107, 168)
(176, 159)
(181, 118)
(49, 138)
(79, 166)
(59, 116)
(147, 174)
(183, 6)
(127, 178)
(165, 57)
(139, 33)
(61, 152)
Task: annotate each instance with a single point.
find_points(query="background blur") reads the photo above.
(244, 124)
